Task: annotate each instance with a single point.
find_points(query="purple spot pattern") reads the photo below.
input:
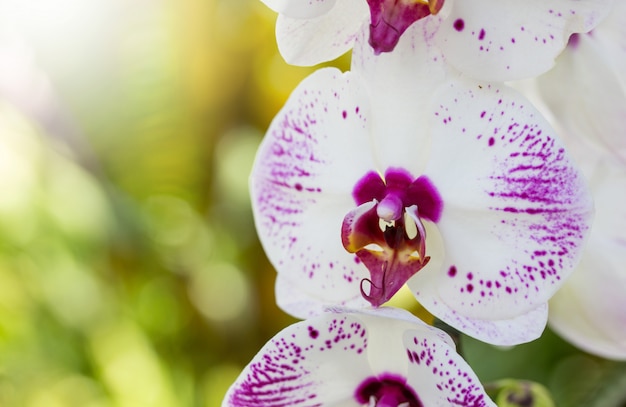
(540, 193)
(283, 373)
(295, 155)
(504, 43)
(496, 43)
(453, 378)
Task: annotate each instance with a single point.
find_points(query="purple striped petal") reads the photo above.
(516, 208)
(314, 152)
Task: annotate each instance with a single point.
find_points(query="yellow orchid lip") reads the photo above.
(435, 6)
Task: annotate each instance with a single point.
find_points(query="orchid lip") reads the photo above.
(386, 230)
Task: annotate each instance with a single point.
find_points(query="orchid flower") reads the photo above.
(388, 174)
(378, 359)
(487, 39)
(586, 90)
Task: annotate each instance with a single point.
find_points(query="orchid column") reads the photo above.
(417, 166)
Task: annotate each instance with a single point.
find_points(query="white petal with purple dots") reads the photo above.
(314, 152)
(511, 39)
(513, 223)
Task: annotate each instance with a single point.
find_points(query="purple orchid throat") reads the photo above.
(391, 18)
(386, 231)
(386, 391)
(574, 40)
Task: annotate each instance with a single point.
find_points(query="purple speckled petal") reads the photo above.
(301, 8)
(308, 42)
(512, 39)
(437, 367)
(586, 90)
(315, 151)
(516, 210)
(328, 360)
(590, 309)
(319, 362)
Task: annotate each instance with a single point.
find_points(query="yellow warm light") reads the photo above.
(129, 367)
(18, 149)
(221, 292)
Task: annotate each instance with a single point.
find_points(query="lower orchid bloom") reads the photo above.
(487, 39)
(378, 359)
(384, 175)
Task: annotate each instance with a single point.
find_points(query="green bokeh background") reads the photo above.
(130, 270)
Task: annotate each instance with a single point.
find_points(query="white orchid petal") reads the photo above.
(440, 376)
(509, 39)
(402, 83)
(315, 151)
(299, 302)
(515, 207)
(503, 332)
(311, 363)
(301, 8)
(403, 315)
(307, 42)
(589, 313)
(590, 309)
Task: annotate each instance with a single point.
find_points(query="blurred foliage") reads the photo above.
(519, 393)
(130, 271)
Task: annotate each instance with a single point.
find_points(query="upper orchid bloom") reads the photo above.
(386, 358)
(485, 39)
(586, 90)
(388, 173)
